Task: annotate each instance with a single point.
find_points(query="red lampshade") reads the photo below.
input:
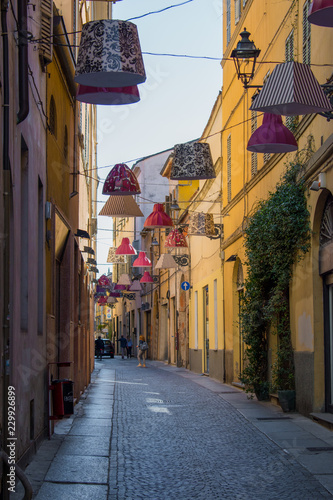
(142, 261)
(102, 300)
(146, 278)
(158, 218)
(272, 137)
(175, 239)
(125, 248)
(104, 281)
(121, 181)
(107, 95)
(321, 13)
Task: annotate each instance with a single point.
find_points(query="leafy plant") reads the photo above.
(276, 236)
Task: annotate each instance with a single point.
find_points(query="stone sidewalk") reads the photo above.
(90, 454)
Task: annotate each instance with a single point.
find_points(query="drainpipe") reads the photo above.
(23, 61)
(5, 238)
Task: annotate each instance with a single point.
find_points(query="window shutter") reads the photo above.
(228, 20)
(267, 157)
(306, 34)
(289, 49)
(254, 156)
(237, 10)
(229, 168)
(46, 32)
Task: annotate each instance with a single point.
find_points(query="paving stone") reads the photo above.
(78, 469)
(52, 491)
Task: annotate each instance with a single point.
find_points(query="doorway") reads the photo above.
(329, 343)
(206, 328)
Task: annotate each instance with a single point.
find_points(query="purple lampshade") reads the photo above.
(321, 13)
(107, 96)
(272, 137)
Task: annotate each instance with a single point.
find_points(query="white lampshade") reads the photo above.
(166, 261)
(124, 280)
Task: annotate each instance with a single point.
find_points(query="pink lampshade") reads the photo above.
(146, 278)
(124, 279)
(103, 281)
(135, 287)
(272, 137)
(158, 218)
(321, 13)
(142, 261)
(175, 239)
(121, 181)
(125, 248)
(108, 95)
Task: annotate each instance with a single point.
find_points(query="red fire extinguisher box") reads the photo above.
(62, 395)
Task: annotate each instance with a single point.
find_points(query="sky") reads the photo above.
(177, 97)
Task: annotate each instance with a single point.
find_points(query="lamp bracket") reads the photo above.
(218, 232)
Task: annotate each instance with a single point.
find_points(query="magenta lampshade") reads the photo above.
(102, 300)
(158, 218)
(104, 281)
(118, 287)
(121, 181)
(125, 248)
(115, 294)
(272, 137)
(175, 239)
(107, 96)
(321, 13)
(146, 278)
(142, 261)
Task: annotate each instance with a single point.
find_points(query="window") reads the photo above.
(229, 168)
(254, 156)
(237, 10)
(306, 34)
(66, 142)
(228, 21)
(53, 117)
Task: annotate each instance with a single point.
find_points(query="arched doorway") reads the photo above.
(326, 271)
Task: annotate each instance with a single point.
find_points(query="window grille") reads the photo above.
(53, 117)
(229, 168)
(306, 34)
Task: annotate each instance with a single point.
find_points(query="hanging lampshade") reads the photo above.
(135, 287)
(158, 218)
(175, 239)
(321, 13)
(124, 279)
(292, 89)
(118, 287)
(109, 55)
(272, 137)
(104, 281)
(125, 248)
(192, 160)
(201, 224)
(121, 206)
(113, 258)
(102, 300)
(142, 261)
(166, 261)
(107, 96)
(146, 278)
(112, 300)
(121, 181)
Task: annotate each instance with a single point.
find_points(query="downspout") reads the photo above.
(5, 240)
(23, 61)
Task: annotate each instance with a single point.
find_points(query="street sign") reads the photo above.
(185, 285)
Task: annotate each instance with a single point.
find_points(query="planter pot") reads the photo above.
(262, 393)
(287, 400)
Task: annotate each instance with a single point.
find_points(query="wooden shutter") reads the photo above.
(46, 45)
(229, 168)
(306, 34)
(228, 20)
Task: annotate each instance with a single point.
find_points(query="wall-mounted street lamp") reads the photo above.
(245, 58)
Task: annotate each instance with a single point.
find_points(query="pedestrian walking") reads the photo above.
(142, 354)
(129, 346)
(99, 347)
(123, 346)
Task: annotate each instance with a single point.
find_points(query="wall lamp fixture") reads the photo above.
(245, 58)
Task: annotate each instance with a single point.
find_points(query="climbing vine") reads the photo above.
(277, 235)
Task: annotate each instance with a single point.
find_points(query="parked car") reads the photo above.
(108, 348)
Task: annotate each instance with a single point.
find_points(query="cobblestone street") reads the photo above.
(173, 438)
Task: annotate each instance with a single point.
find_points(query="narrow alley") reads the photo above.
(167, 433)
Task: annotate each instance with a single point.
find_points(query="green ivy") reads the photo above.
(276, 236)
